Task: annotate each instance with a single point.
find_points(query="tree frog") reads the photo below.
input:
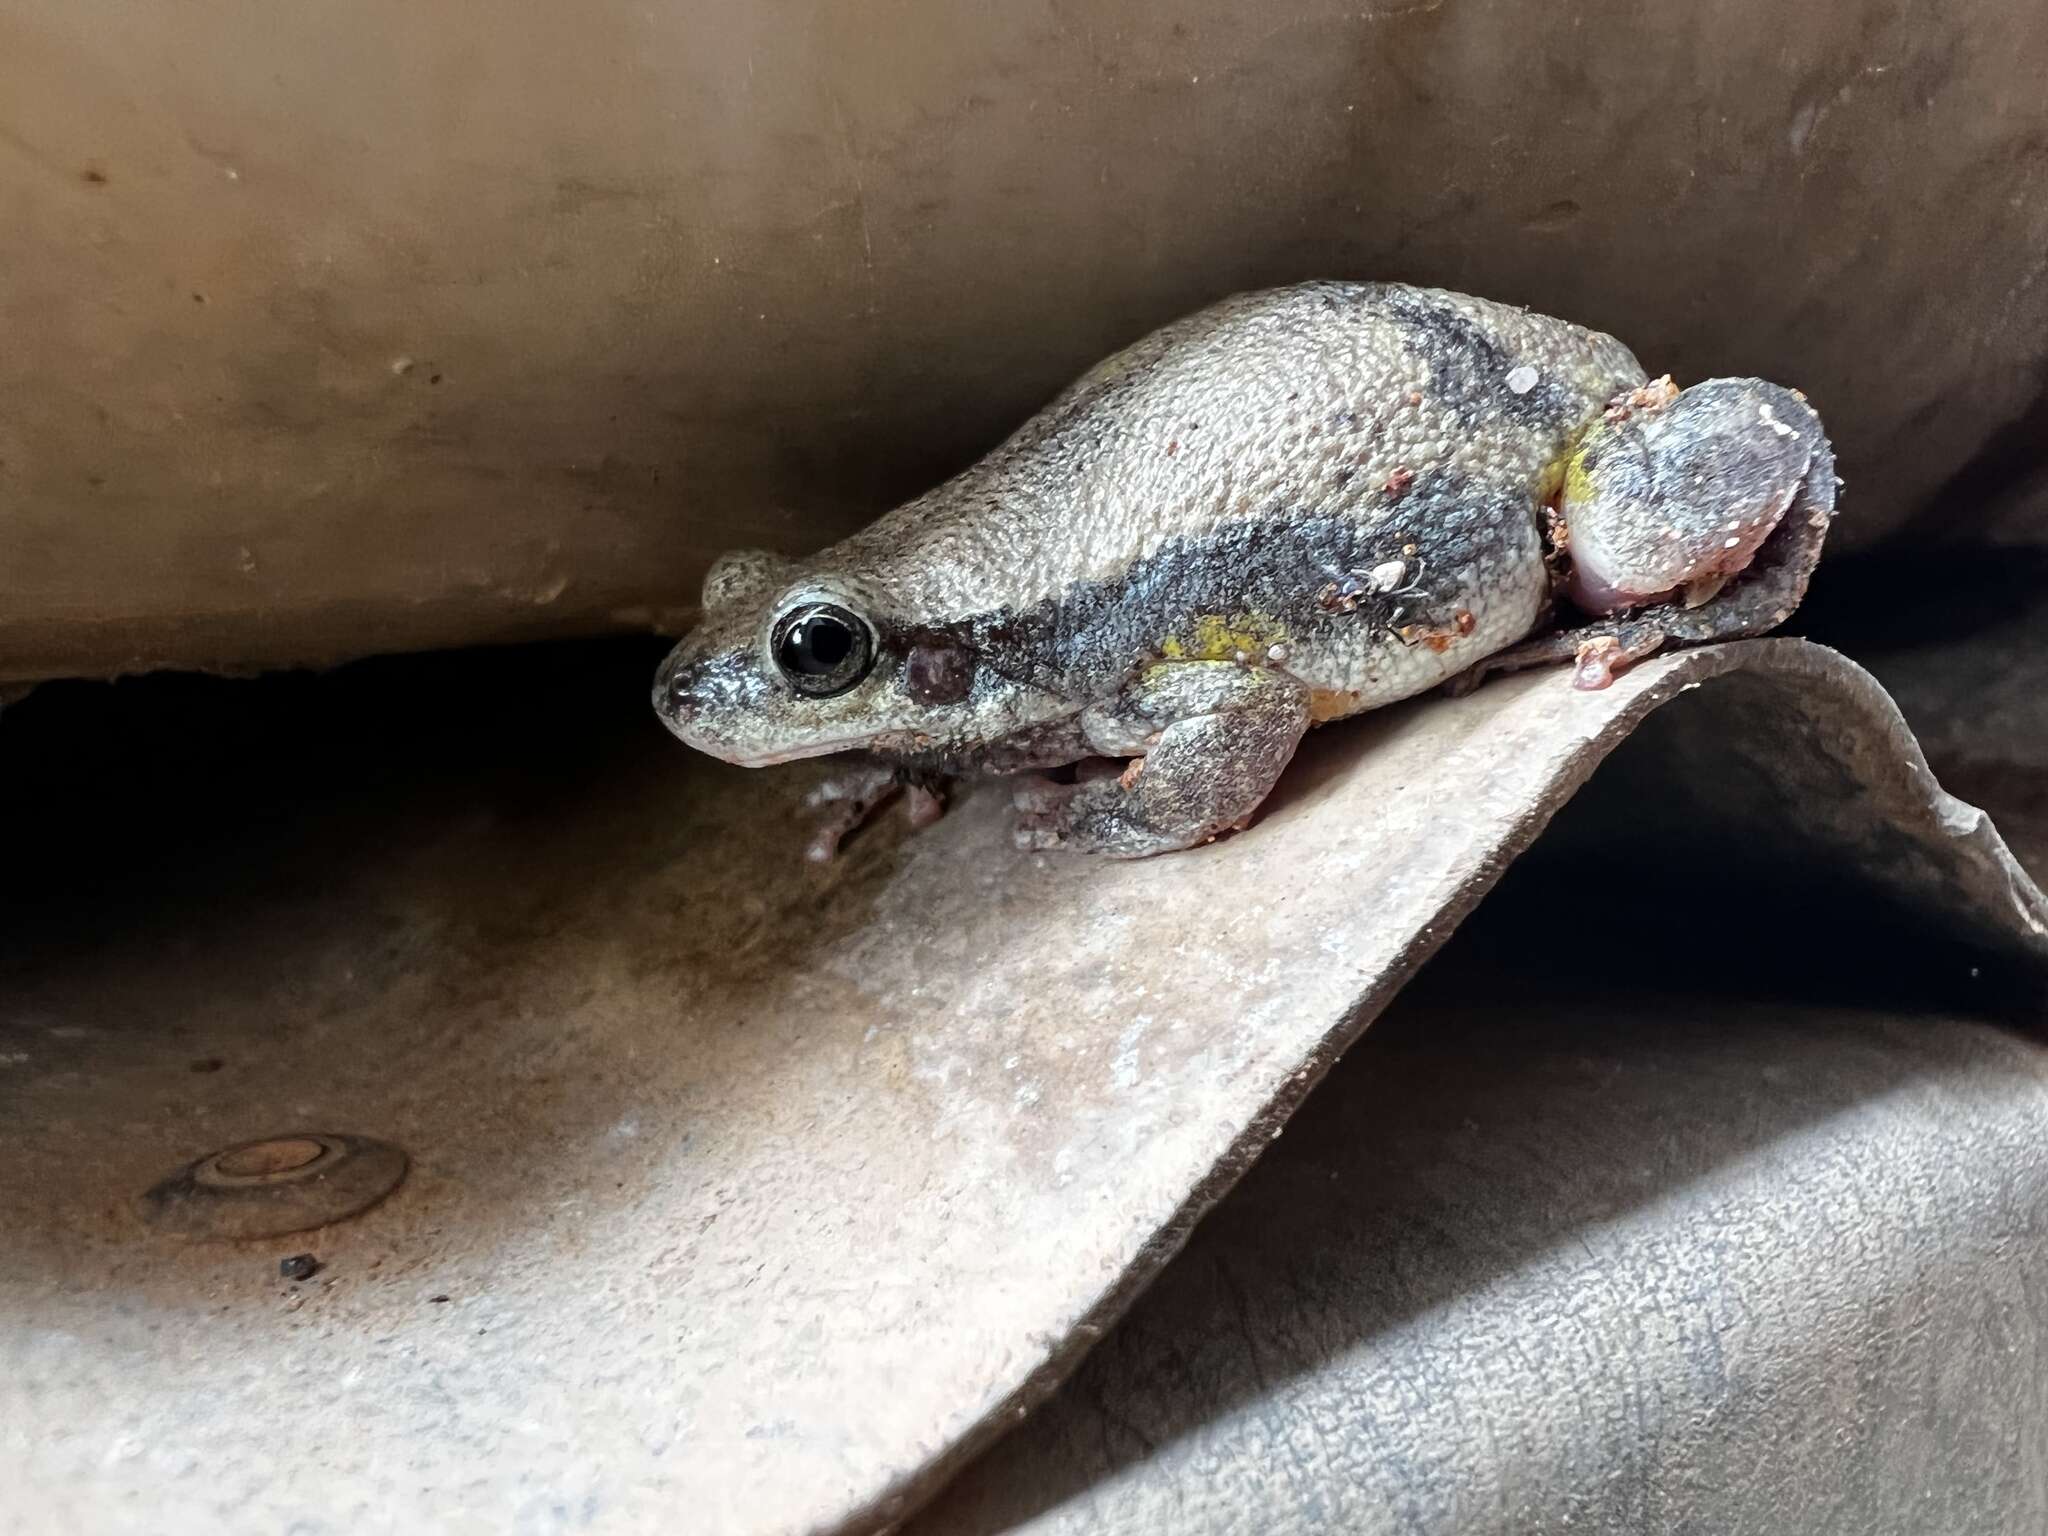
(1285, 509)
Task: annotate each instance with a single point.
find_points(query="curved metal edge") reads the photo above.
(2012, 913)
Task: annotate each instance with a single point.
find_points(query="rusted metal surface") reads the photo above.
(746, 1188)
(1686, 1189)
(1593, 1258)
(277, 1185)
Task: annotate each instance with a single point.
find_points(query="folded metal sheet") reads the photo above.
(744, 1193)
(1593, 1258)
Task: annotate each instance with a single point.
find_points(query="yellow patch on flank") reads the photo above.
(1578, 485)
(1568, 472)
(1219, 638)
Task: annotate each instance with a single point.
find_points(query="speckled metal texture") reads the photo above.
(1715, 1208)
(1626, 1260)
(744, 1193)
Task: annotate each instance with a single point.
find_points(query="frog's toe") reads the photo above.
(922, 805)
(1044, 809)
(1598, 662)
(829, 835)
(861, 783)
(1598, 652)
(848, 801)
(1037, 795)
(1038, 832)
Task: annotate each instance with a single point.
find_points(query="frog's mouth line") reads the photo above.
(742, 759)
(797, 754)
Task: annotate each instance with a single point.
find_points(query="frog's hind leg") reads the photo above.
(1665, 523)
(1214, 735)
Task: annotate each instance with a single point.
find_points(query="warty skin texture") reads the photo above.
(1287, 508)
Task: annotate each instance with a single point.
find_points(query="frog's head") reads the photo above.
(792, 661)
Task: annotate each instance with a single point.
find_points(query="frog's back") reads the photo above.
(1326, 402)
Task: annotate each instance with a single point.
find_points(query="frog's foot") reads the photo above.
(854, 797)
(1041, 799)
(1218, 735)
(1598, 652)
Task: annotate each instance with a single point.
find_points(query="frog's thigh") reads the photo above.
(1215, 735)
(1756, 602)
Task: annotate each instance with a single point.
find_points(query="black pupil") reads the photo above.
(817, 644)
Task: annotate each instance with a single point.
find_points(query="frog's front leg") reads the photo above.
(1207, 740)
(1689, 517)
(855, 795)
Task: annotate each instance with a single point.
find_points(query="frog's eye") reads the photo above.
(822, 649)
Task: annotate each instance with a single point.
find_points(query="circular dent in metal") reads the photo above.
(282, 1157)
(274, 1185)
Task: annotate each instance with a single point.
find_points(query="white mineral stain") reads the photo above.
(1123, 1068)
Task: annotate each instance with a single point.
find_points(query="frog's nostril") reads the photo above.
(672, 689)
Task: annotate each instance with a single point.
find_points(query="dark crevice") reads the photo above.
(2014, 455)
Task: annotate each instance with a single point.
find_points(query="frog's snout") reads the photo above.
(715, 700)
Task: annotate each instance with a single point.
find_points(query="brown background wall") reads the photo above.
(337, 328)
